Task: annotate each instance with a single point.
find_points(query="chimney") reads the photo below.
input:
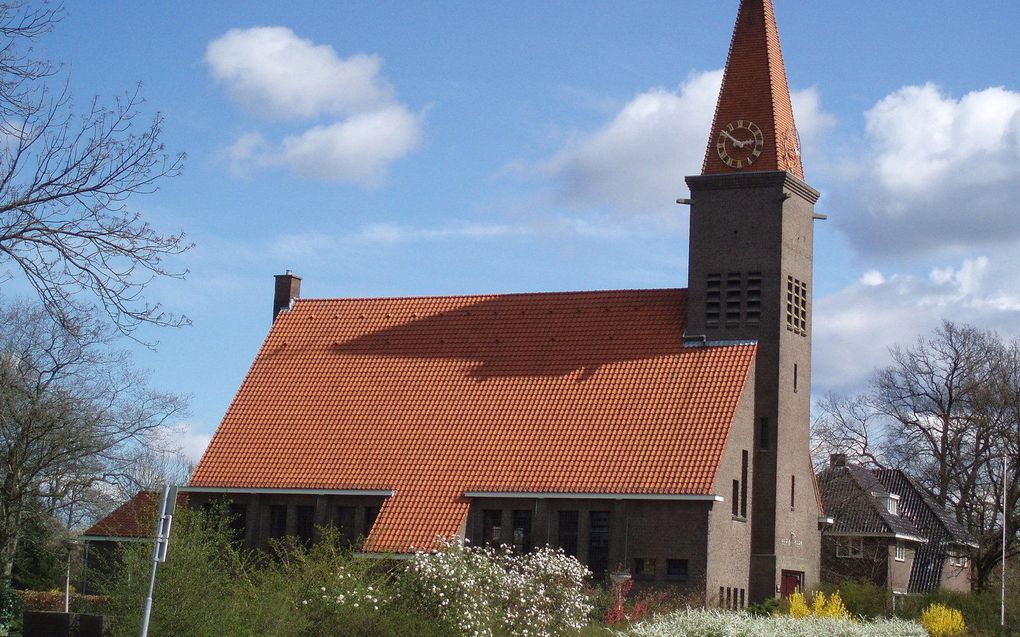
(288, 288)
(837, 460)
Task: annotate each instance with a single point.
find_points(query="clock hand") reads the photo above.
(736, 142)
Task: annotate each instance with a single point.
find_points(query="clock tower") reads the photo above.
(751, 244)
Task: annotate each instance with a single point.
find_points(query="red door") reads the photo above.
(790, 582)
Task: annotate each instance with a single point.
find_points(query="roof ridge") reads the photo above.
(426, 297)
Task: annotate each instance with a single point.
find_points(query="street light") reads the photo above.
(70, 544)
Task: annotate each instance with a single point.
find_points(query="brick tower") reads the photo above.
(750, 266)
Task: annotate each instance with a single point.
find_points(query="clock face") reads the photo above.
(791, 147)
(740, 143)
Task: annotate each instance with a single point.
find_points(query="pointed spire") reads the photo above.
(753, 128)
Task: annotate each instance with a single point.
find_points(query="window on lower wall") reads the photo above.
(851, 547)
(644, 568)
(901, 551)
(522, 531)
(277, 520)
(956, 559)
(238, 521)
(676, 571)
(735, 499)
(305, 526)
(492, 527)
(345, 524)
(567, 539)
(598, 543)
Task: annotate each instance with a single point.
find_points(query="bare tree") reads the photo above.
(74, 417)
(65, 179)
(944, 411)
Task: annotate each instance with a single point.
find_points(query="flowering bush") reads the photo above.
(942, 621)
(479, 592)
(820, 608)
(714, 623)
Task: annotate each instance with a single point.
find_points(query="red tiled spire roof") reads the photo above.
(588, 392)
(755, 89)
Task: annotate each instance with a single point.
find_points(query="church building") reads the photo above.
(663, 432)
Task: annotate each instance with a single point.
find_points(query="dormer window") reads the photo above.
(889, 501)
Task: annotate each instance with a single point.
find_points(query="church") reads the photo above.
(662, 432)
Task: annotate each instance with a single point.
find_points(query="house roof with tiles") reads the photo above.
(755, 89)
(434, 398)
(855, 499)
(135, 519)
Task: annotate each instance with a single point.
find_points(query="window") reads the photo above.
(957, 559)
(238, 521)
(598, 543)
(729, 598)
(850, 547)
(743, 483)
(522, 531)
(568, 532)
(345, 524)
(793, 492)
(735, 502)
(741, 599)
(763, 432)
(277, 520)
(892, 505)
(305, 527)
(796, 306)
(901, 551)
(492, 527)
(371, 513)
(795, 374)
(676, 571)
(644, 568)
(735, 297)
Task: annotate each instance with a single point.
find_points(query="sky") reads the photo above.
(404, 149)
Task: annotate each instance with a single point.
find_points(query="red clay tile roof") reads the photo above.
(588, 392)
(755, 88)
(136, 518)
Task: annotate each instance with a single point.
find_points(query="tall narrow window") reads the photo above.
(736, 498)
(796, 306)
(522, 531)
(793, 492)
(568, 532)
(743, 483)
(763, 432)
(795, 374)
(345, 524)
(492, 527)
(598, 543)
(305, 523)
(277, 520)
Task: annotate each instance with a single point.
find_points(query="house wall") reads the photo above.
(955, 578)
(899, 571)
(257, 512)
(873, 565)
(659, 530)
(729, 535)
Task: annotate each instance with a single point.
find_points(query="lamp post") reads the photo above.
(619, 579)
(69, 544)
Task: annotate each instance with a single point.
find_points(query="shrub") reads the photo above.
(798, 606)
(714, 623)
(942, 621)
(10, 607)
(480, 592)
(863, 598)
(820, 608)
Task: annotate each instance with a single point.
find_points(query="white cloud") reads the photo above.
(937, 173)
(637, 161)
(854, 327)
(272, 72)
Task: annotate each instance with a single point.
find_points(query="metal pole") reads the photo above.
(159, 548)
(67, 583)
(1002, 592)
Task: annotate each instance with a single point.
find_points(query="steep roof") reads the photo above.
(851, 495)
(936, 524)
(755, 89)
(134, 519)
(588, 392)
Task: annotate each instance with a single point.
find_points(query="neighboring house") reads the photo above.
(944, 560)
(661, 431)
(887, 529)
(133, 521)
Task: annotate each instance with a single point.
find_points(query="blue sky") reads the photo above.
(391, 148)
